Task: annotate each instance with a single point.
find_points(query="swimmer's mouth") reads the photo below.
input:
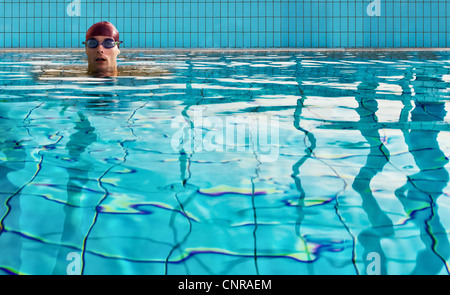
(100, 59)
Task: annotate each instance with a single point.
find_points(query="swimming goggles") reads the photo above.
(108, 43)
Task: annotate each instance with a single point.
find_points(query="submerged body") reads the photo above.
(51, 71)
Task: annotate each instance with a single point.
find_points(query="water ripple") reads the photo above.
(88, 165)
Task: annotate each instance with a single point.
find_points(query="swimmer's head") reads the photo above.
(103, 29)
(102, 48)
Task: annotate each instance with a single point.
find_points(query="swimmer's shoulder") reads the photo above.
(61, 71)
(141, 71)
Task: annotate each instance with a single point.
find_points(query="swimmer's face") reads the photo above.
(102, 60)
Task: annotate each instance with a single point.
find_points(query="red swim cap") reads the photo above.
(103, 29)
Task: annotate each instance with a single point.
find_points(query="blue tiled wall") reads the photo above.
(229, 23)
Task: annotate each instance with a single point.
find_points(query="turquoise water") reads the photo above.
(225, 163)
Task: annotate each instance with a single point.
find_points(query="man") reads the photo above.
(102, 48)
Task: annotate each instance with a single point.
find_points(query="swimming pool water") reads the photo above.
(196, 162)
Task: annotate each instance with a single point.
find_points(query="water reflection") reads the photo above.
(422, 100)
(183, 192)
(10, 193)
(381, 226)
(421, 119)
(309, 150)
(72, 237)
(419, 195)
(83, 205)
